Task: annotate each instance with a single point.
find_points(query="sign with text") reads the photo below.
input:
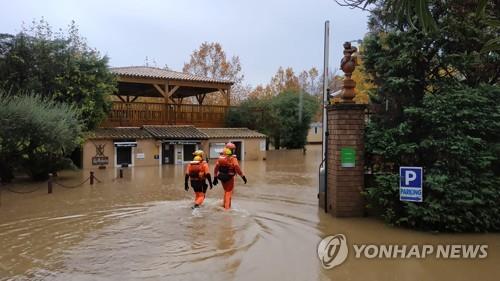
(126, 144)
(181, 141)
(100, 159)
(410, 184)
(347, 157)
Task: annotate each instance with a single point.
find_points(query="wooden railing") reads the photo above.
(138, 113)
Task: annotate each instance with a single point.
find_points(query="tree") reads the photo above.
(57, 65)
(294, 111)
(285, 118)
(36, 135)
(437, 97)
(406, 63)
(418, 14)
(459, 148)
(261, 92)
(210, 60)
(284, 80)
(363, 81)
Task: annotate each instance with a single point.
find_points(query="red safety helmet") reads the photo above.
(230, 145)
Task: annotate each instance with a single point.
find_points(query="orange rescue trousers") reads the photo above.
(228, 192)
(199, 192)
(224, 167)
(199, 197)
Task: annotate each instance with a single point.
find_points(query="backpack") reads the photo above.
(196, 172)
(226, 169)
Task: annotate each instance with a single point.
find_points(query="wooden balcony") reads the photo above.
(136, 114)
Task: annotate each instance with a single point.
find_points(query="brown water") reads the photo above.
(141, 227)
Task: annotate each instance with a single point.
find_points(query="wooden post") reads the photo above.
(49, 184)
(166, 109)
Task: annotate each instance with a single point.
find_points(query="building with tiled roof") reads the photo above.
(167, 144)
(151, 124)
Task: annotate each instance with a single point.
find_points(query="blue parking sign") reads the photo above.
(410, 184)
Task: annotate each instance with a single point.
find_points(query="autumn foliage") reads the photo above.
(210, 60)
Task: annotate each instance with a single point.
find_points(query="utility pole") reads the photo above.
(325, 83)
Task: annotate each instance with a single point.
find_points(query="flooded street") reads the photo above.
(141, 227)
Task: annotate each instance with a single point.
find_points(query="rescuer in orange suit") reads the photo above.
(205, 165)
(225, 169)
(231, 146)
(197, 172)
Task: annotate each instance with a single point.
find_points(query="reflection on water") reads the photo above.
(141, 227)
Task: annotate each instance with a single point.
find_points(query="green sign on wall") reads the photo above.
(347, 157)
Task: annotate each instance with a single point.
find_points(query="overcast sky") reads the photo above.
(265, 34)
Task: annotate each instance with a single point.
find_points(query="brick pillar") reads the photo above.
(346, 123)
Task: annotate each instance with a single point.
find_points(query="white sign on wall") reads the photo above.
(215, 149)
(139, 156)
(262, 145)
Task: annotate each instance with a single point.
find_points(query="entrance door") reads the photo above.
(188, 151)
(168, 153)
(123, 156)
(237, 150)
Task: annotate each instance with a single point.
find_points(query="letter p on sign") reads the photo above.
(410, 176)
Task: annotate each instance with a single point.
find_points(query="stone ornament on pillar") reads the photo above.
(346, 146)
(348, 64)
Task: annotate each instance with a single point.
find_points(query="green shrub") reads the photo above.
(36, 135)
(58, 65)
(458, 145)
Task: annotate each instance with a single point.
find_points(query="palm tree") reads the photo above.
(420, 10)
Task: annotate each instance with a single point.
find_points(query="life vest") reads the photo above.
(226, 169)
(196, 171)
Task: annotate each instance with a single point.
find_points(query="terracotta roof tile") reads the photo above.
(158, 73)
(120, 133)
(231, 133)
(175, 132)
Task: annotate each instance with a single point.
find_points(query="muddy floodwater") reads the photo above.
(142, 227)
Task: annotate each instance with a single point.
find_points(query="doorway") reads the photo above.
(168, 153)
(238, 150)
(123, 156)
(188, 150)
